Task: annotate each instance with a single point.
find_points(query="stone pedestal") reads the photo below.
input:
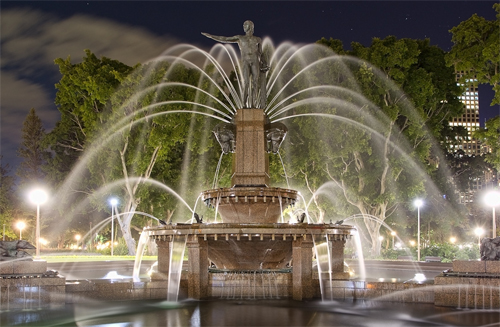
(336, 249)
(302, 269)
(470, 284)
(198, 267)
(250, 161)
(163, 244)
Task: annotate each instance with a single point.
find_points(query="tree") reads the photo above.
(490, 136)
(31, 150)
(83, 93)
(476, 51)
(379, 154)
(82, 99)
(126, 138)
(7, 201)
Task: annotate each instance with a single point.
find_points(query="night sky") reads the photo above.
(33, 34)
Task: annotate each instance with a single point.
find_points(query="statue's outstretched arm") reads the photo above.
(223, 39)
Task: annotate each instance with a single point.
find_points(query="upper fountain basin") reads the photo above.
(250, 204)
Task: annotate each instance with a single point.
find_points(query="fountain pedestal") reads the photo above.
(251, 161)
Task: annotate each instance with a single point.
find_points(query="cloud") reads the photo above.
(18, 97)
(31, 40)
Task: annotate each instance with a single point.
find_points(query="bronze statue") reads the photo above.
(253, 63)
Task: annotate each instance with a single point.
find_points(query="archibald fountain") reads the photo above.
(250, 240)
(252, 253)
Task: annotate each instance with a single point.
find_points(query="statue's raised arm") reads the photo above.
(223, 39)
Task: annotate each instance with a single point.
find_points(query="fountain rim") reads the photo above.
(260, 191)
(249, 229)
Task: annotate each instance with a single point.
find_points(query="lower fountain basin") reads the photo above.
(251, 246)
(250, 204)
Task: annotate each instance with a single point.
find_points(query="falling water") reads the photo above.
(143, 239)
(359, 253)
(216, 176)
(177, 248)
(284, 170)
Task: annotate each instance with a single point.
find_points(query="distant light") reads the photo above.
(113, 201)
(412, 243)
(398, 245)
(43, 241)
(38, 196)
(393, 233)
(20, 225)
(381, 279)
(418, 203)
(492, 198)
(479, 231)
(453, 239)
(78, 237)
(380, 238)
(420, 278)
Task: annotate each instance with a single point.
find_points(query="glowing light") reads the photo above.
(418, 203)
(479, 231)
(453, 240)
(420, 278)
(38, 196)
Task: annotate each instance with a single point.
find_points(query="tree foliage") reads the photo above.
(476, 51)
(376, 152)
(8, 201)
(31, 150)
(490, 136)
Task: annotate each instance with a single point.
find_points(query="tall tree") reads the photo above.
(124, 137)
(476, 51)
(82, 98)
(31, 150)
(373, 155)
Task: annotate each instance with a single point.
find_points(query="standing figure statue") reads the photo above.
(254, 65)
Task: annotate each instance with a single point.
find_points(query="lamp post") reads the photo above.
(492, 199)
(418, 203)
(479, 232)
(20, 225)
(38, 197)
(113, 202)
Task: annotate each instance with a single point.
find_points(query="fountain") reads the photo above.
(250, 240)
(253, 253)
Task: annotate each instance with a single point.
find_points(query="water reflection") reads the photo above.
(250, 313)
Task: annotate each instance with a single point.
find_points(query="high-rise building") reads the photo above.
(470, 146)
(470, 119)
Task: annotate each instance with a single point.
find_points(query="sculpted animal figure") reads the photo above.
(490, 249)
(15, 249)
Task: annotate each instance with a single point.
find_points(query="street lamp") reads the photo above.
(38, 197)
(492, 199)
(479, 232)
(113, 202)
(20, 225)
(453, 239)
(393, 233)
(418, 203)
